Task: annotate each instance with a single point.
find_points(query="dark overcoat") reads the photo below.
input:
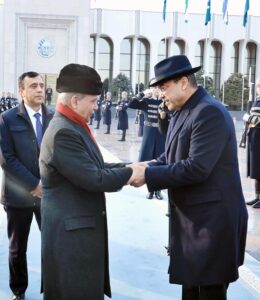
(97, 112)
(107, 104)
(253, 147)
(19, 156)
(208, 216)
(122, 107)
(153, 141)
(74, 225)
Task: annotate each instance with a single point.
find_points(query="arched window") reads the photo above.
(163, 49)
(92, 52)
(178, 47)
(215, 65)
(199, 53)
(126, 57)
(250, 64)
(142, 61)
(105, 59)
(234, 58)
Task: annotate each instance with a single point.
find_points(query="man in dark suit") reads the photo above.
(74, 179)
(21, 131)
(208, 217)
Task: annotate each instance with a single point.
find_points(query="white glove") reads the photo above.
(246, 117)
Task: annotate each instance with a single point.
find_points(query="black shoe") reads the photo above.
(252, 202)
(158, 195)
(150, 195)
(18, 297)
(106, 132)
(257, 204)
(96, 128)
(121, 140)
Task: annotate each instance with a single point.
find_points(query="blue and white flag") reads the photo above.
(186, 14)
(208, 13)
(246, 13)
(164, 9)
(225, 11)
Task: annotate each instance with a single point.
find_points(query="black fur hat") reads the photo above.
(79, 79)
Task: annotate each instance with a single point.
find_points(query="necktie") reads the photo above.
(38, 128)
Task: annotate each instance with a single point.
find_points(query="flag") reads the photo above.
(186, 11)
(208, 13)
(245, 13)
(225, 11)
(164, 10)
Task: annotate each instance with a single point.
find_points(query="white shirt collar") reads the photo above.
(32, 112)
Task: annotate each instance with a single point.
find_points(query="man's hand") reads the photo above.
(37, 192)
(138, 176)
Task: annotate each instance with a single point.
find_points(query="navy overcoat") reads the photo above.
(97, 112)
(122, 115)
(208, 216)
(153, 141)
(19, 156)
(107, 104)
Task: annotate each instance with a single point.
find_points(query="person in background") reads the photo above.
(106, 105)
(74, 180)
(153, 141)
(21, 131)
(49, 93)
(208, 216)
(140, 123)
(2, 103)
(252, 119)
(97, 112)
(122, 106)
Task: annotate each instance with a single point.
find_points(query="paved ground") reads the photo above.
(137, 235)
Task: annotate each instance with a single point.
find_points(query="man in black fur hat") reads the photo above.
(74, 179)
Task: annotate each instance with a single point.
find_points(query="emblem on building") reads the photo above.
(46, 47)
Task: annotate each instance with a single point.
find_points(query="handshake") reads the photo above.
(138, 176)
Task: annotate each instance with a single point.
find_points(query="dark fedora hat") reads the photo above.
(172, 67)
(75, 78)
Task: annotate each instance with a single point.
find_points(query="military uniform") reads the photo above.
(153, 141)
(253, 148)
(97, 113)
(107, 104)
(122, 107)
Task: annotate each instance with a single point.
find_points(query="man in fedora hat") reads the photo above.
(208, 217)
(74, 179)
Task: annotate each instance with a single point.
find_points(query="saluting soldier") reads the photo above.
(107, 104)
(122, 107)
(153, 141)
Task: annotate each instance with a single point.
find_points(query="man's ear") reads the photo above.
(73, 101)
(185, 82)
(20, 91)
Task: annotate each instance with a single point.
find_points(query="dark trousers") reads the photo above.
(18, 227)
(211, 292)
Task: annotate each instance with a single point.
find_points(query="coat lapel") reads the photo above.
(176, 126)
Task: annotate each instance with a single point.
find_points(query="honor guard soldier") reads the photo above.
(252, 134)
(153, 141)
(122, 107)
(97, 113)
(107, 104)
(2, 103)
